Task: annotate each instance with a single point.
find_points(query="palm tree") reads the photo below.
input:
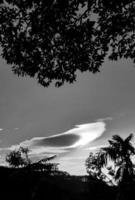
(120, 151)
(117, 159)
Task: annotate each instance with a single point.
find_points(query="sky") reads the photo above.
(69, 121)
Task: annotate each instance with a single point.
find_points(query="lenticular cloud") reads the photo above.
(77, 137)
(87, 132)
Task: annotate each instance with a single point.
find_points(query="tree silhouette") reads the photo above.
(18, 157)
(120, 151)
(44, 165)
(94, 167)
(15, 159)
(117, 158)
(51, 40)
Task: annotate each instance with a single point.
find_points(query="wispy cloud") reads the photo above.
(79, 136)
(70, 146)
(96, 147)
(105, 119)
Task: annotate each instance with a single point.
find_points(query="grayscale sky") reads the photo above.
(69, 121)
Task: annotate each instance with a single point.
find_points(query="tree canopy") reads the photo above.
(18, 157)
(14, 158)
(51, 40)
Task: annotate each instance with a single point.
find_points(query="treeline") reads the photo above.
(111, 174)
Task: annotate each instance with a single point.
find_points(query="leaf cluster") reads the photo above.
(52, 40)
(18, 158)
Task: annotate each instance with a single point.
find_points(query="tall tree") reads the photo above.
(118, 154)
(53, 39)
(120, 151)
(118, 160)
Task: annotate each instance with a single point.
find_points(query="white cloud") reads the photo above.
(70, 146)
(105, 119)
(48, 150)
(79, 136)
(96, 147)
(88, 132)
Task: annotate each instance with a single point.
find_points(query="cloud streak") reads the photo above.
(79, 136)
(71, 147)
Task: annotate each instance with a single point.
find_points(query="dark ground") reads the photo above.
(20, 184)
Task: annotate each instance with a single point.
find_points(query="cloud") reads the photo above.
(16, 128)
(71, 147)
(96, 148)
(79, 136)
(105, 119)
(1, 129)
(60, 140)
(88, 132)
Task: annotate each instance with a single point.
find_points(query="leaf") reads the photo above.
(129, 138)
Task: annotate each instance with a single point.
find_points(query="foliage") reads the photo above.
(44, 165)
(95, 166)
(20, 158)
(121, 151)
(17, 158)
(51, 40)
(116, 158)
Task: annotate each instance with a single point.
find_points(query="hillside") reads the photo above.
(24, 184)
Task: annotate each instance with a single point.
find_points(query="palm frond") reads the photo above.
(118, 139)
(112, 143)
(128, 145)
(129, 138)
(130, 148)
